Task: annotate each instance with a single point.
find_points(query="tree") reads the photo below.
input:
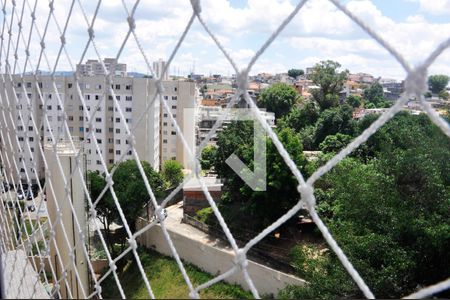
(335, 120)
(444, 95)
(294, 73)
(437, 83)
(335, 143)
(354, 101)
(239, 201)
(172, 172)
(330, 80)
(131, 191)
(208, 157)
(279, 98)
(299, 118)
(374, 94)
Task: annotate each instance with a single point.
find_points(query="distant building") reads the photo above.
(93, 67)
(158, 68)
(155, 137)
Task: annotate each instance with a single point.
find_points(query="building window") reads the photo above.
(81, 107)
(59, 118)
(88, 97)
(173, 133)
(28, 85)
(118, 97)
(111, 161)
(110, 108)
(88, 108)
(117, 152)
(111, 150)
(117, 120)
(19, 84)
(81, 129)
(98, 130)
(99, 162)
(166, 97)
(30, 128)
(49, 107)
(59, 107)
(70, 118)
(128, 87)
(111, 129)
(99, 108)
(20, 128)
(117, 142)
(165, 115)
(117, 86)
(20, 139)
(174, 97)
(97, 97)
(98, 119)
(110, 141)
(81, 118)
(98, 86)
(174, 107)
(31, 149)
(99, 141)
(69, 85)
(175, 89)
(128, 109)
(128, 98)
(165, 124)
(128, 120)
(164, 141)
(117, 130)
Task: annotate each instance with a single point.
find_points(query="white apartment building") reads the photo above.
(93, 67)
(154, 134)
(158, 68)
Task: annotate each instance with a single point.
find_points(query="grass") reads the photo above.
(166, 280)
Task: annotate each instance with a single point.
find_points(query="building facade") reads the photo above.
(46, 101)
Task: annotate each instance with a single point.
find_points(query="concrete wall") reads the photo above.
(214, 260)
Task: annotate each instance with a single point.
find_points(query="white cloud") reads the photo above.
(320, 31)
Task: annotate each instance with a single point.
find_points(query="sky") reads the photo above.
(318, 32)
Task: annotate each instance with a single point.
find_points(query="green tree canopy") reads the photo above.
(294, 73)
(259, 208)
(330, 80)
(131, 191)
(354, 101)
(172, 172)
(335, 143)
(374, 94)
(437, 83)
(299, 118)
(279, 98)
(208, 157)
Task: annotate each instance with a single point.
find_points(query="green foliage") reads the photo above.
(166, 280)
(354, 101)
(172, 172)
(437, 83)
(335, 143)
(299, 118)
(388, 212)
(333, 121)
(279, 98)
(294, 73)
(374, 96)
(208, 157)
(327, 76)
(261, 207)
(204, 214)
(130, 190)
(444, 95)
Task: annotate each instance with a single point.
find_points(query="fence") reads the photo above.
(27, 157)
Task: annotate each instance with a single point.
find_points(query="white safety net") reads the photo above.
(24, 52)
